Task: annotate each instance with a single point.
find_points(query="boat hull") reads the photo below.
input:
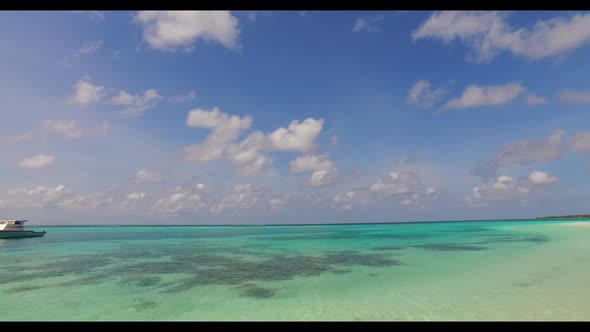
(20, 234)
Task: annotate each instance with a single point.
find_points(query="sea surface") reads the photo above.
(479, 270)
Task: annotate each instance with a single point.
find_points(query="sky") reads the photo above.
(262, 117)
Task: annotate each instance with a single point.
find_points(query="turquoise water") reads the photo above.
(513, 270)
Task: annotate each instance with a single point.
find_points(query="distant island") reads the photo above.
(575, 216)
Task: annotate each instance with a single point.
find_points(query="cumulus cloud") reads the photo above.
(506, 187)
(169, 30)
(85, 93)
(522, 153)
(144, 176)
(488, 33)
(225, 127)
(533, 99)
(38, 161)
(242, 197)
(423, 95)
(135, 105)
(322, 168)
(249, 156)
(575, 97)
(370, 24)
(36, 197)
(478, 96)
(298, 136)
(344, 200)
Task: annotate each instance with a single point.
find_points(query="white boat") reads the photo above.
(11, 229)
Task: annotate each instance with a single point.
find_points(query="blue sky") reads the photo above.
(286, 117)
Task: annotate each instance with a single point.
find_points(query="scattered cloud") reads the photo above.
(538, 177)
(144, 176)
(298, 136)
(38, 161)
(523, 153)
(36, 197)
(183, 98)
(423, 95)
(86, 93)
(169, 30)
(533, 99)
(575, 97)
(322, 168)
(370, 24)
(344, 200)
(580, 142)
(95, 14)
(115, 54)
(488, 33)
(17, 138)
(479, 96)
(136, 105)
(88, 48)
(64, 129)
(249, 156)
(506, 187)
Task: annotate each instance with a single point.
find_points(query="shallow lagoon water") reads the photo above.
(480, 270)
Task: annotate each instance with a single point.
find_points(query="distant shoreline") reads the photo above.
(330, 224)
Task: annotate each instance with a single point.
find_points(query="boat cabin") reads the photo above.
(12, 225)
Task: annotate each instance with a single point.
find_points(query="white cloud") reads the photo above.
(242, 197)
(395, 183)
(86, 93)
(95, 14)
(38, 161)
(322, 168)
(532, 99)
(179, 202)
(225, 127)
(183, 98)
(575, 97)
(580, 142)
(344, 200)
(17, 138)
(506, 187)
(477, 96)
(488, 33)
(168, 30)
(527, 151)
(89, 47)
(136, 196)
(144, 176)
(136, 104)
(298, 136)
(309, 163)
(423, 95)
(64, 129)
(538, 177)
(249, 156)
(371, 24)
(522, 153)
(36, 197)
